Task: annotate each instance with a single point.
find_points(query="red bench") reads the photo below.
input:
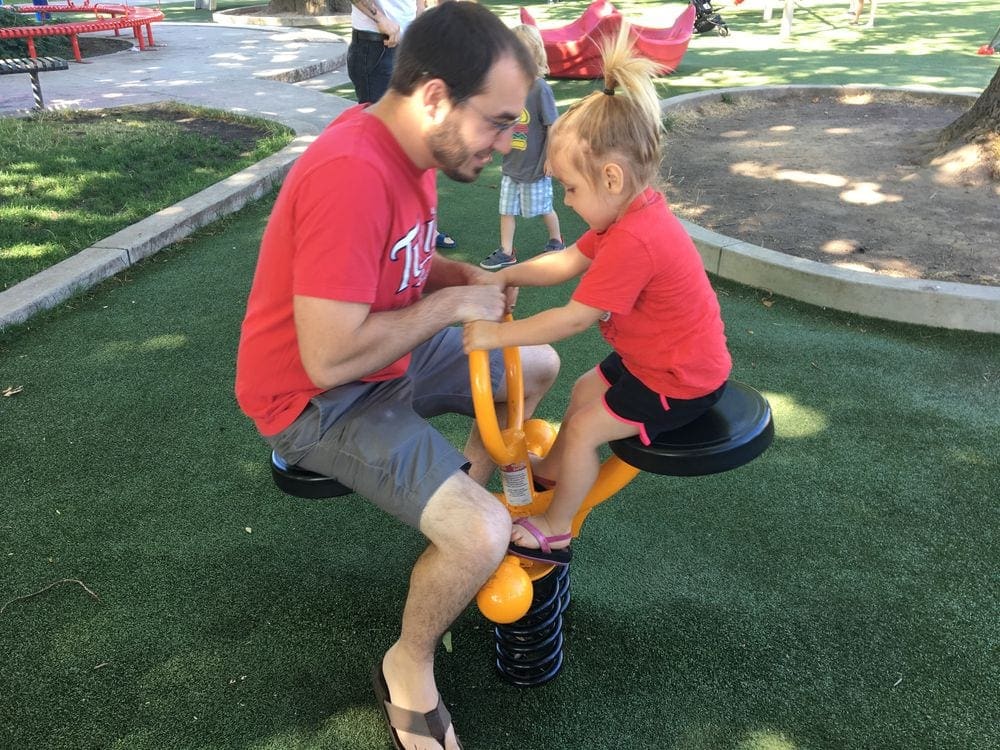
(118, 17)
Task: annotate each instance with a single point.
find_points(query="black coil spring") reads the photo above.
(530, 650)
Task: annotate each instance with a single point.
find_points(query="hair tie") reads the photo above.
(609, 92)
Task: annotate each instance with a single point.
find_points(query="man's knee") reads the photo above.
(464, 519)
(540, 367)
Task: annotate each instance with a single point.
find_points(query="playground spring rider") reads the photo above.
(706, 18)
(527, 599)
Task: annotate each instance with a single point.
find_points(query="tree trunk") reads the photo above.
(980, 121)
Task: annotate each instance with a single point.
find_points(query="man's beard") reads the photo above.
(451, 153)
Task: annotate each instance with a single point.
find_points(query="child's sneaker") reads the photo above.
(553, 245)
(498, 259)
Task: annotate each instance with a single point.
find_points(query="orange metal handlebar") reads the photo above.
(485, 408)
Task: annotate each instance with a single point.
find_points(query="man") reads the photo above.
(348, 342)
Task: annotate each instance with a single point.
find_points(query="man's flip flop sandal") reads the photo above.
(545, 553)
(433, 724)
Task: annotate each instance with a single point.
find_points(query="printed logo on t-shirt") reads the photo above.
(414, 251)
(519, 142)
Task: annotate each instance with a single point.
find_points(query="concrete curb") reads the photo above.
(114, 254)
(295, 75)
(969, 307)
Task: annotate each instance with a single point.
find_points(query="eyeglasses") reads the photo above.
(501, 126)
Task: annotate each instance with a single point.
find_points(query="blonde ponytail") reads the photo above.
(626, 71)
(623, 121)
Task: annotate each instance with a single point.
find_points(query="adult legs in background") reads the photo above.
(369, 65)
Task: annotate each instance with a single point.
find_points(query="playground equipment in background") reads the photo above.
(573, 50)
(118, 16)
(11, 66)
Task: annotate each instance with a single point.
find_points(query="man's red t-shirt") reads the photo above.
(355, 222)
(663, 316)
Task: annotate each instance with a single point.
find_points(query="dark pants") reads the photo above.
(369, 65)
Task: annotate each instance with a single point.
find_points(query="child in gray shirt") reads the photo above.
(525, 189)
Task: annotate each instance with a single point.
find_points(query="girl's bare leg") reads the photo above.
(588, 389)
(589, 426)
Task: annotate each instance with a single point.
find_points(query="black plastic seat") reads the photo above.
(736, 430)
(306, 484)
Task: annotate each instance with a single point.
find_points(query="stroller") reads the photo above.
(706, 19)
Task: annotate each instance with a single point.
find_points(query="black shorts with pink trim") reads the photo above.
(630, 401)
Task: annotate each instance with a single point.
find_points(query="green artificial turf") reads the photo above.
(839, 592)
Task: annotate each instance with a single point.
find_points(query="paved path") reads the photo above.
(243, 69)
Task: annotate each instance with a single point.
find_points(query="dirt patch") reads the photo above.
(95, 46)
(839, 180)
(244, 136)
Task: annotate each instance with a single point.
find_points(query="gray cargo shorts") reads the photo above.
(375, 438)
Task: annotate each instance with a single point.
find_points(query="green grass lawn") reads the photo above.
(69, 179)
(920, 43)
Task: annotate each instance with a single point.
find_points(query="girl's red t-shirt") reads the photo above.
(662, 315)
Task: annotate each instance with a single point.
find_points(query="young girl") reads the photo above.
(642, 281)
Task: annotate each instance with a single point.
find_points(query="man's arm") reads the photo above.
(340, 342)
(447, 272)
(383, 22)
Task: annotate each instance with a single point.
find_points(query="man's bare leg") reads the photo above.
(468, 532)
(539, 367)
